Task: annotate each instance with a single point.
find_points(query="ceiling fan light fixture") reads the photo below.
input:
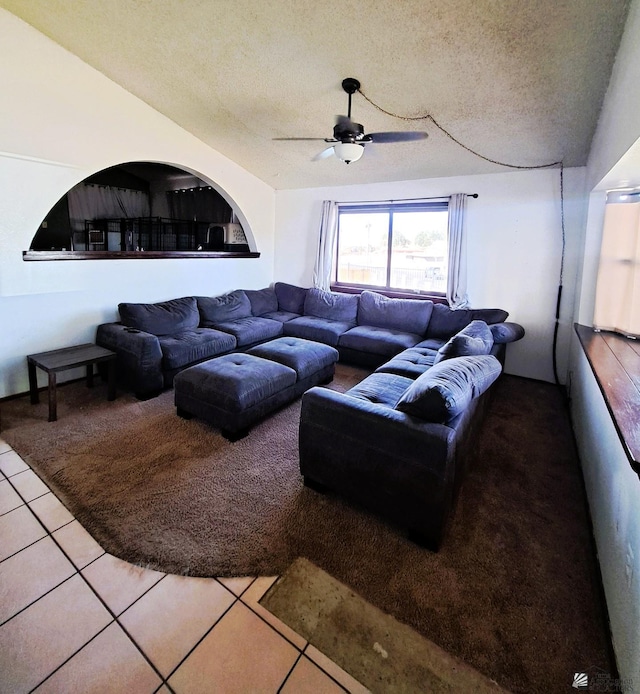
(348, 151)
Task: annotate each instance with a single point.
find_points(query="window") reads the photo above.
(395, 246)
(617, 304)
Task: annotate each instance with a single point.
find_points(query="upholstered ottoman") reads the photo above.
(234, 391)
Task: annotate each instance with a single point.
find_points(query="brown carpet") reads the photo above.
(514, 591)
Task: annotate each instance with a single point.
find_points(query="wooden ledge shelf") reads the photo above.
(132, 255)
(615, 361)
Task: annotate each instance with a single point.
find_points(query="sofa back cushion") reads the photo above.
(476, 338)
(222, 309)
(447, 388)
(163, 318)
(262, 301)
(331, 305)
(446, 322)
(406, 315)
(290, 297)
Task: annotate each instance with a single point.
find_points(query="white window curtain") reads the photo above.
(617, 305)
(457, 273)
(326, 245)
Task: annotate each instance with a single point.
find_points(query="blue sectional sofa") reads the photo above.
(397, 442)
(154, 342)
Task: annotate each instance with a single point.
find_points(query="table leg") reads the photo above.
(33, 383)
(53, 402)
(111, 375)
(89, 375)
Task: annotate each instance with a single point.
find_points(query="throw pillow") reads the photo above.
(163, 318)
(262, 301)
(406, 315)
(290, 297)
(331, 305)
(476, 338)
(222, 309)
(447, 389)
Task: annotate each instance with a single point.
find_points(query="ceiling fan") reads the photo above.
(350, 137)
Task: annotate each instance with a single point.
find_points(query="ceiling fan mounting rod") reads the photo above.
(350, 85)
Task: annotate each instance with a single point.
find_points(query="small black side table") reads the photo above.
(69, 358)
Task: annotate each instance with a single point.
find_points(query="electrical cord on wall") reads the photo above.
(559, 299)
(431, 119)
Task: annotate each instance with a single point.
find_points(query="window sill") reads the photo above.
(128, 255)
(615, 361)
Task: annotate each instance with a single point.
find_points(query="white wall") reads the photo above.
(618, 123)
(514, 247)
(61, 121)
(613, 489)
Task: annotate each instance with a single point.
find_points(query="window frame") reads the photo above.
(390, 207)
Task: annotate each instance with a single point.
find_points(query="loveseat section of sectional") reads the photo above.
(153, 342)
(398, 445)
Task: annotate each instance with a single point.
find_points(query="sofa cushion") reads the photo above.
(222, 309)
(411, 363)
(235, 382)
(431, 343)
(251, 329)
(506, 332)
(447, 388)
(303, 356)
(406, 315)
(262, 300)
(290, 297)
(318, 329)
(192, 346)
(446, 322)
(331, 305)
(381, 389)
(164, 318)
(282, 316)
(476, 338)
(374, 340)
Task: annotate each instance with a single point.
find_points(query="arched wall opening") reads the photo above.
(143, 209)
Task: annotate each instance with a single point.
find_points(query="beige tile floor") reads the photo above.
(75, 619)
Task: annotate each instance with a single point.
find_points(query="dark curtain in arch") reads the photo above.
(199, 204)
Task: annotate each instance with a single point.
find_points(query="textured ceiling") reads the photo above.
(516, 80)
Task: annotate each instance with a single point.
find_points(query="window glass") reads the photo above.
(398, 246)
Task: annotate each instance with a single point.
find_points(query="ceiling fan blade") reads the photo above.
(301, 139)
(409, 136)
(324, 154)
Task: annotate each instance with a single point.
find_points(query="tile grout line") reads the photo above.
(329, 675)
(33, 602)
(91, 588)
(199, 641)
(237, 598)
(291, 669)
(73, 655)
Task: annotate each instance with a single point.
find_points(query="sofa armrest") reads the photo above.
(506, 332)
(394, 434)
(139, 357)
